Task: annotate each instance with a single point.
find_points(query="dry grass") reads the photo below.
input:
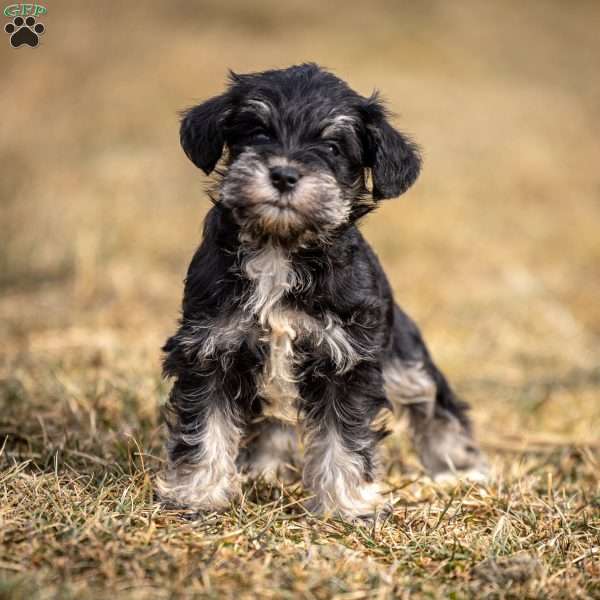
(496, 253)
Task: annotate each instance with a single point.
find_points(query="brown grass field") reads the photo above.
(495, 252)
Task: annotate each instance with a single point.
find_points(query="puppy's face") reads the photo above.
(298, 143)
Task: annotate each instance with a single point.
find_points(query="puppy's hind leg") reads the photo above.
(440, 427)
(271, 451)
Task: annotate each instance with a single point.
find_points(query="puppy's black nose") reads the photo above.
(284, 178)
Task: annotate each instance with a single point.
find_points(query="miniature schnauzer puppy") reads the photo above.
(289, 335)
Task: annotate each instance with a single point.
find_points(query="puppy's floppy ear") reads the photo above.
(201, 132)
(394, 160)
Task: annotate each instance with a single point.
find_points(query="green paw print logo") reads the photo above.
(25, 29)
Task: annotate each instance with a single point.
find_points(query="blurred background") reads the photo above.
(495, 251)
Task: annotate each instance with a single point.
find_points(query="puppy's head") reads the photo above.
(298, 145)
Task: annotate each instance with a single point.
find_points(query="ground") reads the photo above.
(495, 252)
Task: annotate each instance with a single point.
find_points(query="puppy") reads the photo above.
(289, 331)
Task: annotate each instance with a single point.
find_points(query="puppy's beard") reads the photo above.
(313, 209)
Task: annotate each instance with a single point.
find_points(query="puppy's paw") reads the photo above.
(199, 489)
(448, 452)
(273, 474)
(273, 468)
(381, 513)
(478, 474)
(474, 470)
(271, 454)
(362, 505)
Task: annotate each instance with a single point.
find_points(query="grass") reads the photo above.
(495, 252)
(78, 517)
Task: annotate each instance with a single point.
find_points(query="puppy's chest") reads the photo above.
(271, 276)
(289, 337)
(280, 328)
(277, 384)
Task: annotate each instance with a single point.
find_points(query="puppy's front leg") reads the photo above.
(203, 444)
(340, 442)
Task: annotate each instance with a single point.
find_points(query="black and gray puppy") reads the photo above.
(290, 335)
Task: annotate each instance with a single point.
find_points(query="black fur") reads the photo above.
(282, 115)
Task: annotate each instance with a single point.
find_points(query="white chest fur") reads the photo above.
(277, 383)
(272, 273)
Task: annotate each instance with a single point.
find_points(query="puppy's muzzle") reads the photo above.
(284, 178)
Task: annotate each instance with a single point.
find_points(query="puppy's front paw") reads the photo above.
(361, 505)
(199, 489)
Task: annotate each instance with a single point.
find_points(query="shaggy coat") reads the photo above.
(289, 335)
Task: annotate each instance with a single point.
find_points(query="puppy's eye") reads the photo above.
(333, 149)
(260, 137)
